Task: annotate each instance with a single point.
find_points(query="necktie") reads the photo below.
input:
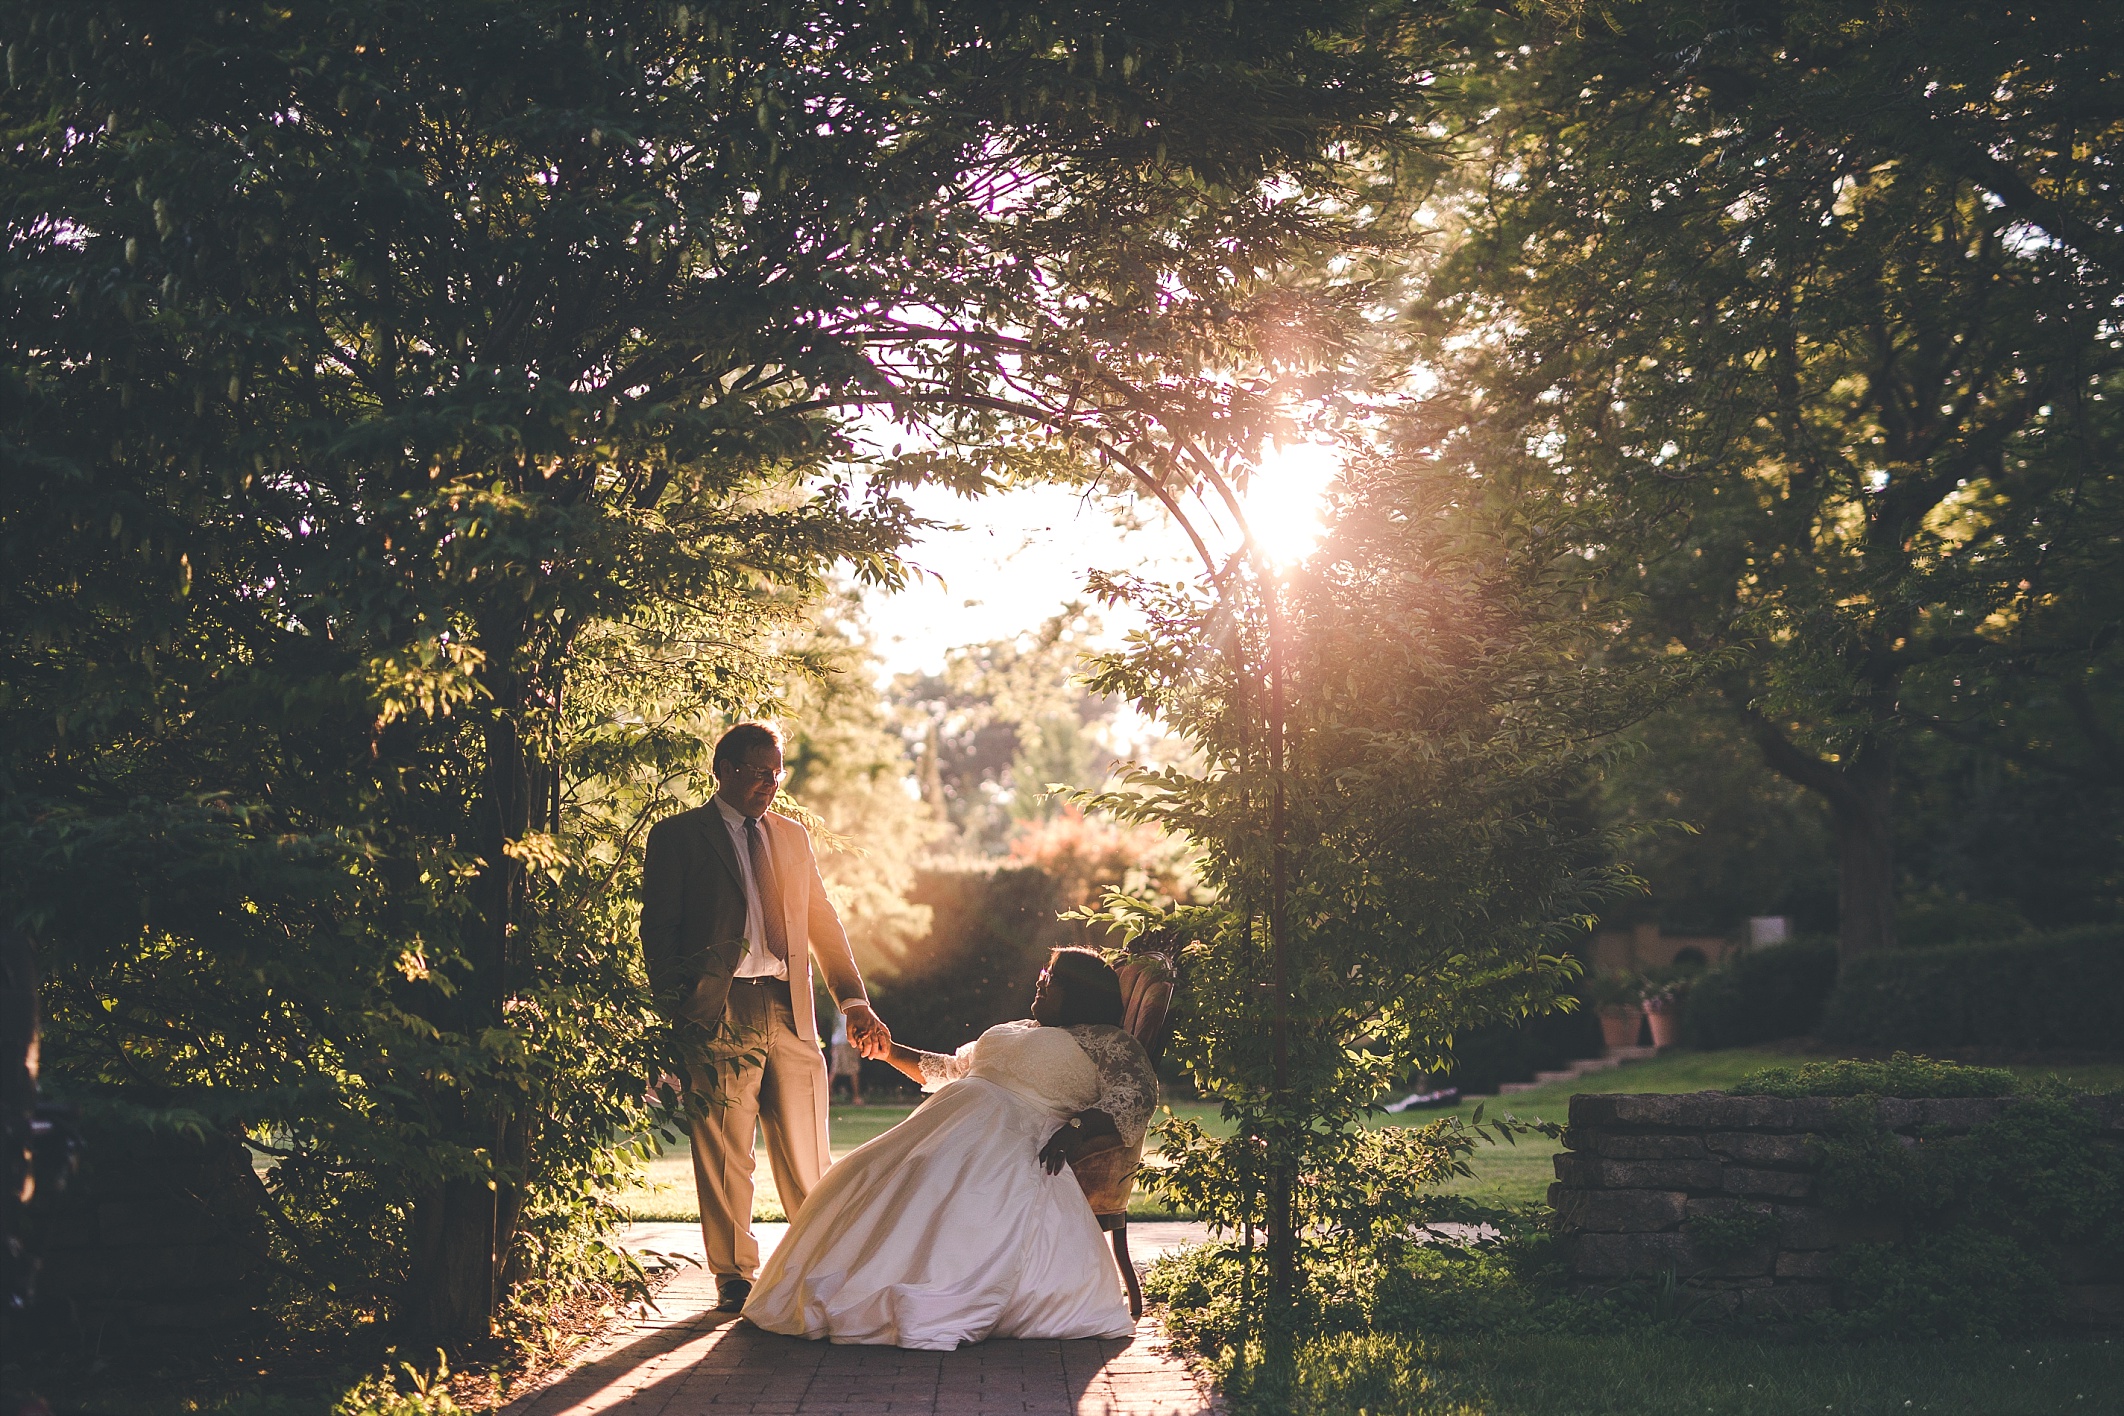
(771, 923)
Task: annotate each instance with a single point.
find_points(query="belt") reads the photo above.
(763, 981)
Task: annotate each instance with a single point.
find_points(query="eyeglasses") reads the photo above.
(753, 774)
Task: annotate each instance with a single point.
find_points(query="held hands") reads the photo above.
(872, 1039)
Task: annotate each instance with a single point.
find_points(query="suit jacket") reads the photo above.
(693, 918)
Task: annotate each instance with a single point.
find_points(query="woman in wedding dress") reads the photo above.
(963, 1221)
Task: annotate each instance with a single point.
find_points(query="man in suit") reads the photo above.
(733, 912)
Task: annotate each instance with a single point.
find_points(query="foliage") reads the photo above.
(1768, 993)
(1839, 374)
(2024, 998)
(1001, 722)
(1486, 1057)
(1495, 1275)
(993, 922)
(1758, 844)
(1728, 1234)
(425, 1394)
(1985, 1217)
(1901, 1075)
(991, 927)
(1440, 717)
(1669, 1370)
(1614, 988)
(1366, 1199)
(419, 424)
(1668, 989)
(1968, 1283)
(849, 768)
(1088, 856)
(2049, 992)
(1491, 1326)
(1937, 917)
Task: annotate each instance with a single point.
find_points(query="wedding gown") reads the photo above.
(947, 1229)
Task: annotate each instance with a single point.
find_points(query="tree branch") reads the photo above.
(1789, 760)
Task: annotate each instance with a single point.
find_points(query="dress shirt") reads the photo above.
(759, 961)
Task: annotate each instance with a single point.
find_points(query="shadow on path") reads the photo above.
(688, 1360)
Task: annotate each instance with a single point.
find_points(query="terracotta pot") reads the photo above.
(1666, 1025)
(1619, 1025)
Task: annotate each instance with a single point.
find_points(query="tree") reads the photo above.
(993, 921)
(372, 364)
(1759, 844)
(1846, 404)
(1395, 739)
(849, 766)
(1000, 723)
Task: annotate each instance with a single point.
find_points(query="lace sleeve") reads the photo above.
(1128, 1088)
(939, 1068)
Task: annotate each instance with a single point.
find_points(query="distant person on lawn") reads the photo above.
(733, 913)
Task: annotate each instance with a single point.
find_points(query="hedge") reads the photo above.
(1773, 992)
(1900, 1076)
(1485, 1058)
(2041, 992)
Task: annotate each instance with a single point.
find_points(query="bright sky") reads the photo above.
(1020, 556)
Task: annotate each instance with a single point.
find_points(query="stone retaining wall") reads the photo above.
(1645, 1183)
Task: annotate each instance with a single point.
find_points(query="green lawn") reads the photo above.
(1520, 1174)
(1505, 1174)
(666, 1191)
(1677, 1374)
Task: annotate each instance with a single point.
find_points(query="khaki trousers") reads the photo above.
(787, 1099)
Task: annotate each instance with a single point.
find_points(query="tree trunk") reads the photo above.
(464, 1229)
(1278, 1337)
(1865, 849)
(1860, 791)
(451, 1289)
(514, 1157)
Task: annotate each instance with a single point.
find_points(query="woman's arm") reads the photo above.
(909, 1062)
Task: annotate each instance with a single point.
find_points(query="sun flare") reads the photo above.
(1286, 499)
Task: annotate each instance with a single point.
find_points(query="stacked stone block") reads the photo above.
(1640, 1176)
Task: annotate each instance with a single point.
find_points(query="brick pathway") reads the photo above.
(688, 1360)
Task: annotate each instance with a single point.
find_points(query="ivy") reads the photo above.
(1901, 1075)
(1720, 1236)
(1985, 1218)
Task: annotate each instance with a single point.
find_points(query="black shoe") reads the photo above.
(731, 1294)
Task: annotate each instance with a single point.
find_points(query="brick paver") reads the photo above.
(686, 1359)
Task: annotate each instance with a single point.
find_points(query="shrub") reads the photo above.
(1901, 1075)
(2057, 991)
(427, 1393)
(1762, 995)
(1509, 1284)
(1486, 1057)
(992, 923)
(1938, 918)
(991, 927)
(1985, 1218)
(1728, 1235)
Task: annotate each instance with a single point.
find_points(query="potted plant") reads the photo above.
(1662, 1000)
(1615, 996)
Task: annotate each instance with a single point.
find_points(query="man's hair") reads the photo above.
(1091, 990)
(743, 739)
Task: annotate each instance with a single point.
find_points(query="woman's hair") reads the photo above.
(1090, 989)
